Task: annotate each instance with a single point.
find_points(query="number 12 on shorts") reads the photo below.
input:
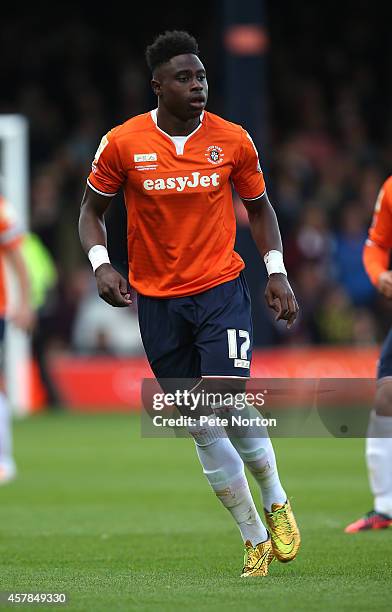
(242, 344)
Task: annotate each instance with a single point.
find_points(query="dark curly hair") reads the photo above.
(168, 45)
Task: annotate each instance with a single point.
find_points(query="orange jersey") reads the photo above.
(178, 194)
(10, 236)
(377, 248)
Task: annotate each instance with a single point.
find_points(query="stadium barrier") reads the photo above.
(100, 384)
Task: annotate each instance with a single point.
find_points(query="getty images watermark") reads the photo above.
(286, 407)
(228, 409)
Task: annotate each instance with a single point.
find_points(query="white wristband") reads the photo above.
(98, 255)
(274, 263)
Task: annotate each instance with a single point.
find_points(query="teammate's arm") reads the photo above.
(265, 231)
(22, 315)
(112, 287)
(376, 262)
(376, 252)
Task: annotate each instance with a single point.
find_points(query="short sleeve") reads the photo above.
(10, 231)
(247, 175)
(107, 174)
(381, 228)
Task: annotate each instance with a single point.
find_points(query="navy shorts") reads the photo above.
(385, 361)
(207, 334)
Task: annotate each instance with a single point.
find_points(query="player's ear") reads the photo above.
(156, 87)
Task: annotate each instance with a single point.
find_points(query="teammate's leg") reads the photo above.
(379, 449)
(7, 464)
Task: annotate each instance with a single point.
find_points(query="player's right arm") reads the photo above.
(112, 287)
(376, 252)
(106, 178)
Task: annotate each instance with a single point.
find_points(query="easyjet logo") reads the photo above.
(180, 182)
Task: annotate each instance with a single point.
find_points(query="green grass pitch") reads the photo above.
(119, 522)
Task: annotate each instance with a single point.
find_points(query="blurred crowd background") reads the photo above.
(326, 149)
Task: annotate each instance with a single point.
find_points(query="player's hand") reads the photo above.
(384, 284)
(280, 297)
(112, 287)
(23, 317)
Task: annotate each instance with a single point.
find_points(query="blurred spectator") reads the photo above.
(312, 241)
(309, 286)
(336, 317)
(365, 328)
(43, 281)
(350, 239)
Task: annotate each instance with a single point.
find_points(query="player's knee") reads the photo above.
(383, 400)
(207, 433)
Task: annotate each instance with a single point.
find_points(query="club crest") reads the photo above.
(214, 154)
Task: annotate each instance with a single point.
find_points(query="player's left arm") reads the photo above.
(248, 181)
(266, 234)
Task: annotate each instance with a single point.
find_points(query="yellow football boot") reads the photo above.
(285, 536)
(257, 559)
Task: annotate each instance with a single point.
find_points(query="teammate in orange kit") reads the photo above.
(176, 165)
(376, 258)
(22, 317)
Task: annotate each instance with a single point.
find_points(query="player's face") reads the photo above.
(181, 85)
